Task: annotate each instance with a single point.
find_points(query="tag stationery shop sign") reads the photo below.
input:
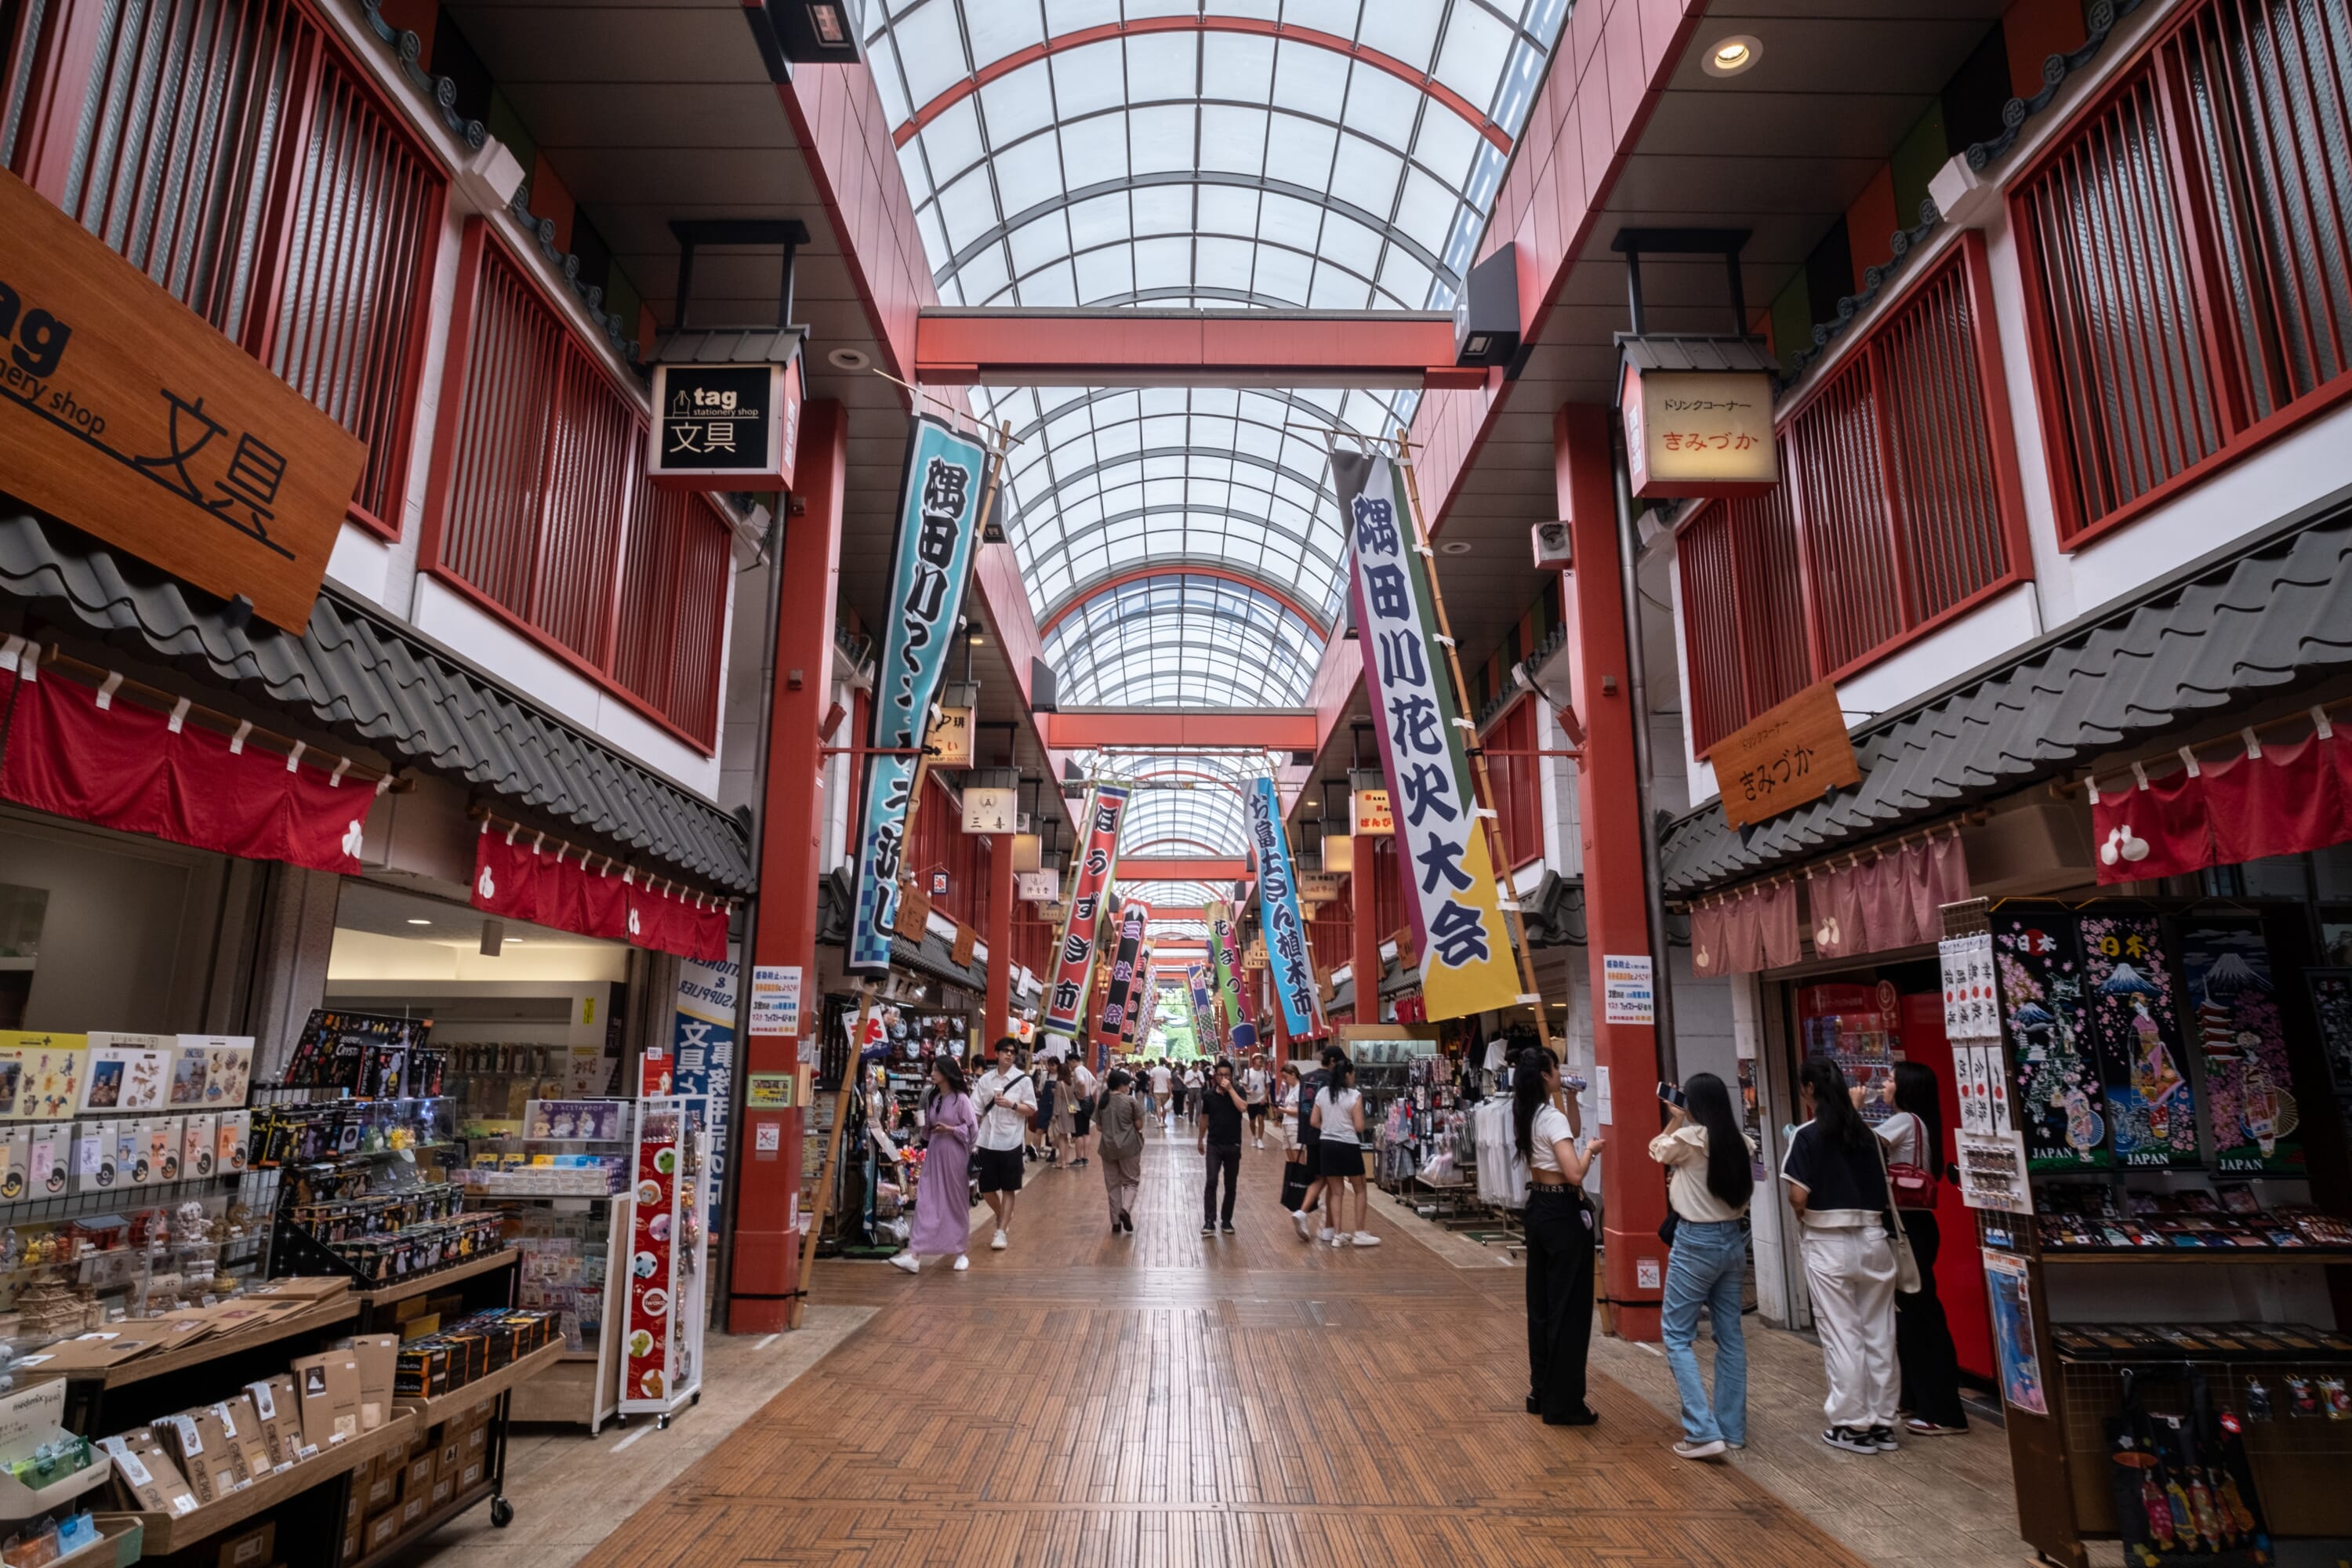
(1796, 752)
(124, 414)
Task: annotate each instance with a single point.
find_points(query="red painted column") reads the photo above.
(1633, 1192)
(792, 827)
(1366, 960)
(996, 1008)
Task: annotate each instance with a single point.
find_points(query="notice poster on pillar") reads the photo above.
(1065, 998)
(1453, 908)
(1286, 932)
(1225, 969)
(939, 503)
(1113, 1024)
(2250, 1100)
(702, 1049)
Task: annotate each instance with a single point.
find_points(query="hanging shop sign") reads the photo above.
(940, 499)
(1074, 959)
(1124, 996)
(988, 809)
(1320, 887)
(1369, 811)
(1699, 433)
(1796, 752)
(1339, 854)
(127, 414)
(950, 739)
(724, 427)
(966, 943)
(1037, 887)
(1453, 908)
(1286, 929)
(1028, 849)
(1225, 968)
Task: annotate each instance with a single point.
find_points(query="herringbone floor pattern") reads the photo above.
(1172, 1400)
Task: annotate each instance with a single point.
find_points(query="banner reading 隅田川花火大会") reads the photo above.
(1455, 912)
(940, 502)
(1286, 932)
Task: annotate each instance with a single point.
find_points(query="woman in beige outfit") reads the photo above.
(1118, 1141)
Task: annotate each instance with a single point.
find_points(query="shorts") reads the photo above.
(1257, 1111)
(999, 1170)
(1339, 1157)
(1082, 1116)
(1313, 1147)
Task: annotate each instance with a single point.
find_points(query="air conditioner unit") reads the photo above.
(1554, 547)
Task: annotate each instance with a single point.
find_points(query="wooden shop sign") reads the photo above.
(126, 415)
(1796, 752)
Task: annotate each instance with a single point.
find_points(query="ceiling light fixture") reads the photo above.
(847, 359)
(1731, 56)
(1454, 547)
(415, 921)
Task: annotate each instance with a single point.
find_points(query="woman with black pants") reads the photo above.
(1914, 1135)
(1560, 1244)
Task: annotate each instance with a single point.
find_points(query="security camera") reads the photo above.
(1554, 551)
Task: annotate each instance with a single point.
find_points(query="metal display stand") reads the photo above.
(662, 1344)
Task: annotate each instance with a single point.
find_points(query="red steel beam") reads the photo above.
(1171, 348)
(1279, 730)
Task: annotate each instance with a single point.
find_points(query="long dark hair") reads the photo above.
(1528, 1094)
(1729, 1174)
(951, 1069)
(1338, 1076)
(1916, 1091)
(1842, 1125)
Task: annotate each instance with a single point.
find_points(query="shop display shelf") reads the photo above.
(407, 1539)
(432, 1412)
(420, 1284)
(167, 1533)
(2196, 1255)
(327, 1314)
(120, 1539)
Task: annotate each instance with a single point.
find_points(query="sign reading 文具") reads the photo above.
(724, 427)
(127, 415)
(1796, 752)
(1699, 433)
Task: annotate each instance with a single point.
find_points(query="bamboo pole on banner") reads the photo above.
(828, 1172)
(1498, 849)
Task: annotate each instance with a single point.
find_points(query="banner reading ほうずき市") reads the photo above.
(939, 501)
(1286, 932)
(1225, 966)
(1066, 999)
(1467, 966)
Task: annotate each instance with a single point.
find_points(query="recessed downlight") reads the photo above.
(1730, 56)
(847, 359)
(1454, 547)
(416, 920)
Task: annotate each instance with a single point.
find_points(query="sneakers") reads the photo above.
(1919, 1428)
(1228, 1229)
(1335, 1238)
(1207, 1229)
(1707, 1450)
(1261, 1143)
(1853, 1440)
(998, 1242)
(1882, 1439)
(1298, 1218)
(961, 1263)
(1366, 1238)
(1127, 1221)
(905, 1263)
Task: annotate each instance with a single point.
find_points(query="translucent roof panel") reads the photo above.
(1186, 802)
(1183, 639)
(1176, 897)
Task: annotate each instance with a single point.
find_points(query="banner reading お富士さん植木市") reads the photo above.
(940, 502)
(1454, 908)
(1286, 932)
(1066, 999)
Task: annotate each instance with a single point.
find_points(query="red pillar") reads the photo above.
(996, 1011)
(791, 826)
(1615, 900)
(1366, 960)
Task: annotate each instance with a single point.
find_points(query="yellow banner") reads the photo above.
(1474, 985)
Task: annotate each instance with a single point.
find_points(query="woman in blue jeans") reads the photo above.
(1709, 1181)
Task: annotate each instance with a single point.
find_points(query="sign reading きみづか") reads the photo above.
(127, 415)
(1796, 752)
(724, 427)
(1699, 433)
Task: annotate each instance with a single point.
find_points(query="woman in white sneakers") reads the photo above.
(1339, 1122)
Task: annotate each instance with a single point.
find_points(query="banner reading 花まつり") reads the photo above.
(1066, 999)
(1225, 966)
(1455, 911)
(939, 506)
(1286, 932)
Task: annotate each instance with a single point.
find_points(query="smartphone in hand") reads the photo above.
(1672, 1093)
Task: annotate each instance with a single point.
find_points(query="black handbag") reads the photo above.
(1668, 1225)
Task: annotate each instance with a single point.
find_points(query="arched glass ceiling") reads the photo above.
(1185, 803)
(1184, 641)
(1198, 154)
(1174, 896)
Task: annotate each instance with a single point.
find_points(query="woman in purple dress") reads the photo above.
(943, 1198)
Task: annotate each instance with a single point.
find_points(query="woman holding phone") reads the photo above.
(1709, 1182)
(1559, 1243)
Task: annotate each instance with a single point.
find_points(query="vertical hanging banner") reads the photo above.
(1286, 932)
(1225, 964)
(1204, 1011)
(939, 503)
(1454, 912)
(1066, 999)
(1112, 1027)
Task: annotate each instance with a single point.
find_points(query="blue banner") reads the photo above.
(1286, 930)
(938, 505)
(702, 1043)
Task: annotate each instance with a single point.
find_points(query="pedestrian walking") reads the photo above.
(1082, 1112)
(1162, 1084)
(1927, 1361)
(1062, 1129)
(1339, 1122)
(1838, 1187)
(1006, 1100)
(1559, 1243)
(1222, 1111)
(1709, 1179)
(1253, 1085)
(1119, 1129)
(1310, 1084)
(943, 1193)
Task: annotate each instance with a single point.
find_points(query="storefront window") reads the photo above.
(20, 943)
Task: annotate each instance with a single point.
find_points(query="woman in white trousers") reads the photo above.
(1838, 1187)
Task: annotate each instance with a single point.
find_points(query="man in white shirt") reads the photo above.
(1253, 1088)
(1082, 1125)
(1006, 1100)
(1160, 1078)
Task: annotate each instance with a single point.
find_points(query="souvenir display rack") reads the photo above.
(2143, 1080)
(668, 1275)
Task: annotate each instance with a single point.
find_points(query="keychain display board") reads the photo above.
(661, 1361)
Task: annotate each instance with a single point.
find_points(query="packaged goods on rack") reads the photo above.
(469, 1350)
(565, 1259)
(370, 1055)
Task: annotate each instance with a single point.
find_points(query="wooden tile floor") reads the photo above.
(1171, 1399)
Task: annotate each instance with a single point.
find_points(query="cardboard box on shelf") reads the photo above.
(328, 1386)
(382, 1491)
(241, 1424)
(419, 1326)
(412, 1509)
(450, 1456)
(203, 1456)
(305, 1287)
(470, 1476)
(445, 1491)
(420, 1477)
(226, 1452)
(147, 1475)
(278, 1412)
(383, 1529)
(377, 1355)
(249, 1548)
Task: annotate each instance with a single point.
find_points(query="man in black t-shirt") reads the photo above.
(1221, 1140)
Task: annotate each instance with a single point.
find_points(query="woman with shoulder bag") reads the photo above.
(1118, 1135)
(1560, 1226)
(1914, 1137)
(1709, 1180)
(1837, 1185)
